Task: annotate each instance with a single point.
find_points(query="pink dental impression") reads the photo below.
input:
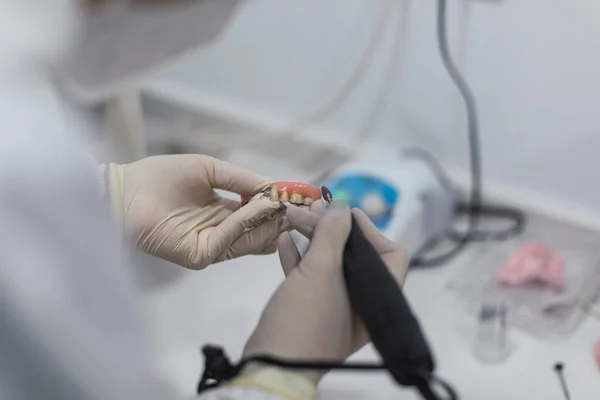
(534, 263)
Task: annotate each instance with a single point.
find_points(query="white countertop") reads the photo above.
(221, 305)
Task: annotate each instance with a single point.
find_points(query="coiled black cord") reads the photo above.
(474, 210)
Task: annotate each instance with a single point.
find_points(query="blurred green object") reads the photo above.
(342, 195)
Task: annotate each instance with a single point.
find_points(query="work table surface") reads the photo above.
(221, 305)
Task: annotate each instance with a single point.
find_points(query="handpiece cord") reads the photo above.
(474, 143)
(516, 217)
(219, 369)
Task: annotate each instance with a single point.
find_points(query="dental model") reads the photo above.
(287, 192)
(534, 263)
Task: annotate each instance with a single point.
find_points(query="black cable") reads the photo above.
(517, 218)
(513, 215)
(218, 369)
(473, 137)
(474, 209)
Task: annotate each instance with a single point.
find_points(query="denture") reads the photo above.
(287, 192)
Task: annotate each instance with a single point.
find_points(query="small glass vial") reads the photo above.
(491, 340)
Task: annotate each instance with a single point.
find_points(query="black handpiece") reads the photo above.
(378, 299)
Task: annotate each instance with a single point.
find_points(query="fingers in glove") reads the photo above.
(329, 238)
(234, 227)
(305, 220)
(380, 242)
(318, 207)
(393, 255)
(257, 238)
(289, 256)
(230, 204)
(270, 249)
(302, 219)
(226, 176)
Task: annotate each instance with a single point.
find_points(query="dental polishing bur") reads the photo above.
(327, 195)
(379, 301)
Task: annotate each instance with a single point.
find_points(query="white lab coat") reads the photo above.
(69, 323)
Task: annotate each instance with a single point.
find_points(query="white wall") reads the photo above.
(531, 63)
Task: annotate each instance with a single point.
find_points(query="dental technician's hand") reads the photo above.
(309, 316)
(168, 206)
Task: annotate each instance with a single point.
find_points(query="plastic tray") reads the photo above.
(536, 309)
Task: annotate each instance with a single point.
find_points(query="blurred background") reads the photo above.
(337, 71)
(295, 89)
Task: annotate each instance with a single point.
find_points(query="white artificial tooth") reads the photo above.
(296, 198)
(308, 201)
(274, 196)
(284, 197)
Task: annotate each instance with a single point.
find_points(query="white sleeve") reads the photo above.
(69, 324)
(262, 382)
(70, 327)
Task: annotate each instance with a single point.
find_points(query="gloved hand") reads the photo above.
(309, 316)
(167, 205)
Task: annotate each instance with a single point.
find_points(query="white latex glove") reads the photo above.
(168, 206)
(309, 316)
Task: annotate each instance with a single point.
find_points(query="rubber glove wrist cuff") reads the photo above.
(287, 384)
(115, 192)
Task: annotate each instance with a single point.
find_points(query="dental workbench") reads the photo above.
(197, 308)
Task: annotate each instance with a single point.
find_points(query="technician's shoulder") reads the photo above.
(37, 139)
